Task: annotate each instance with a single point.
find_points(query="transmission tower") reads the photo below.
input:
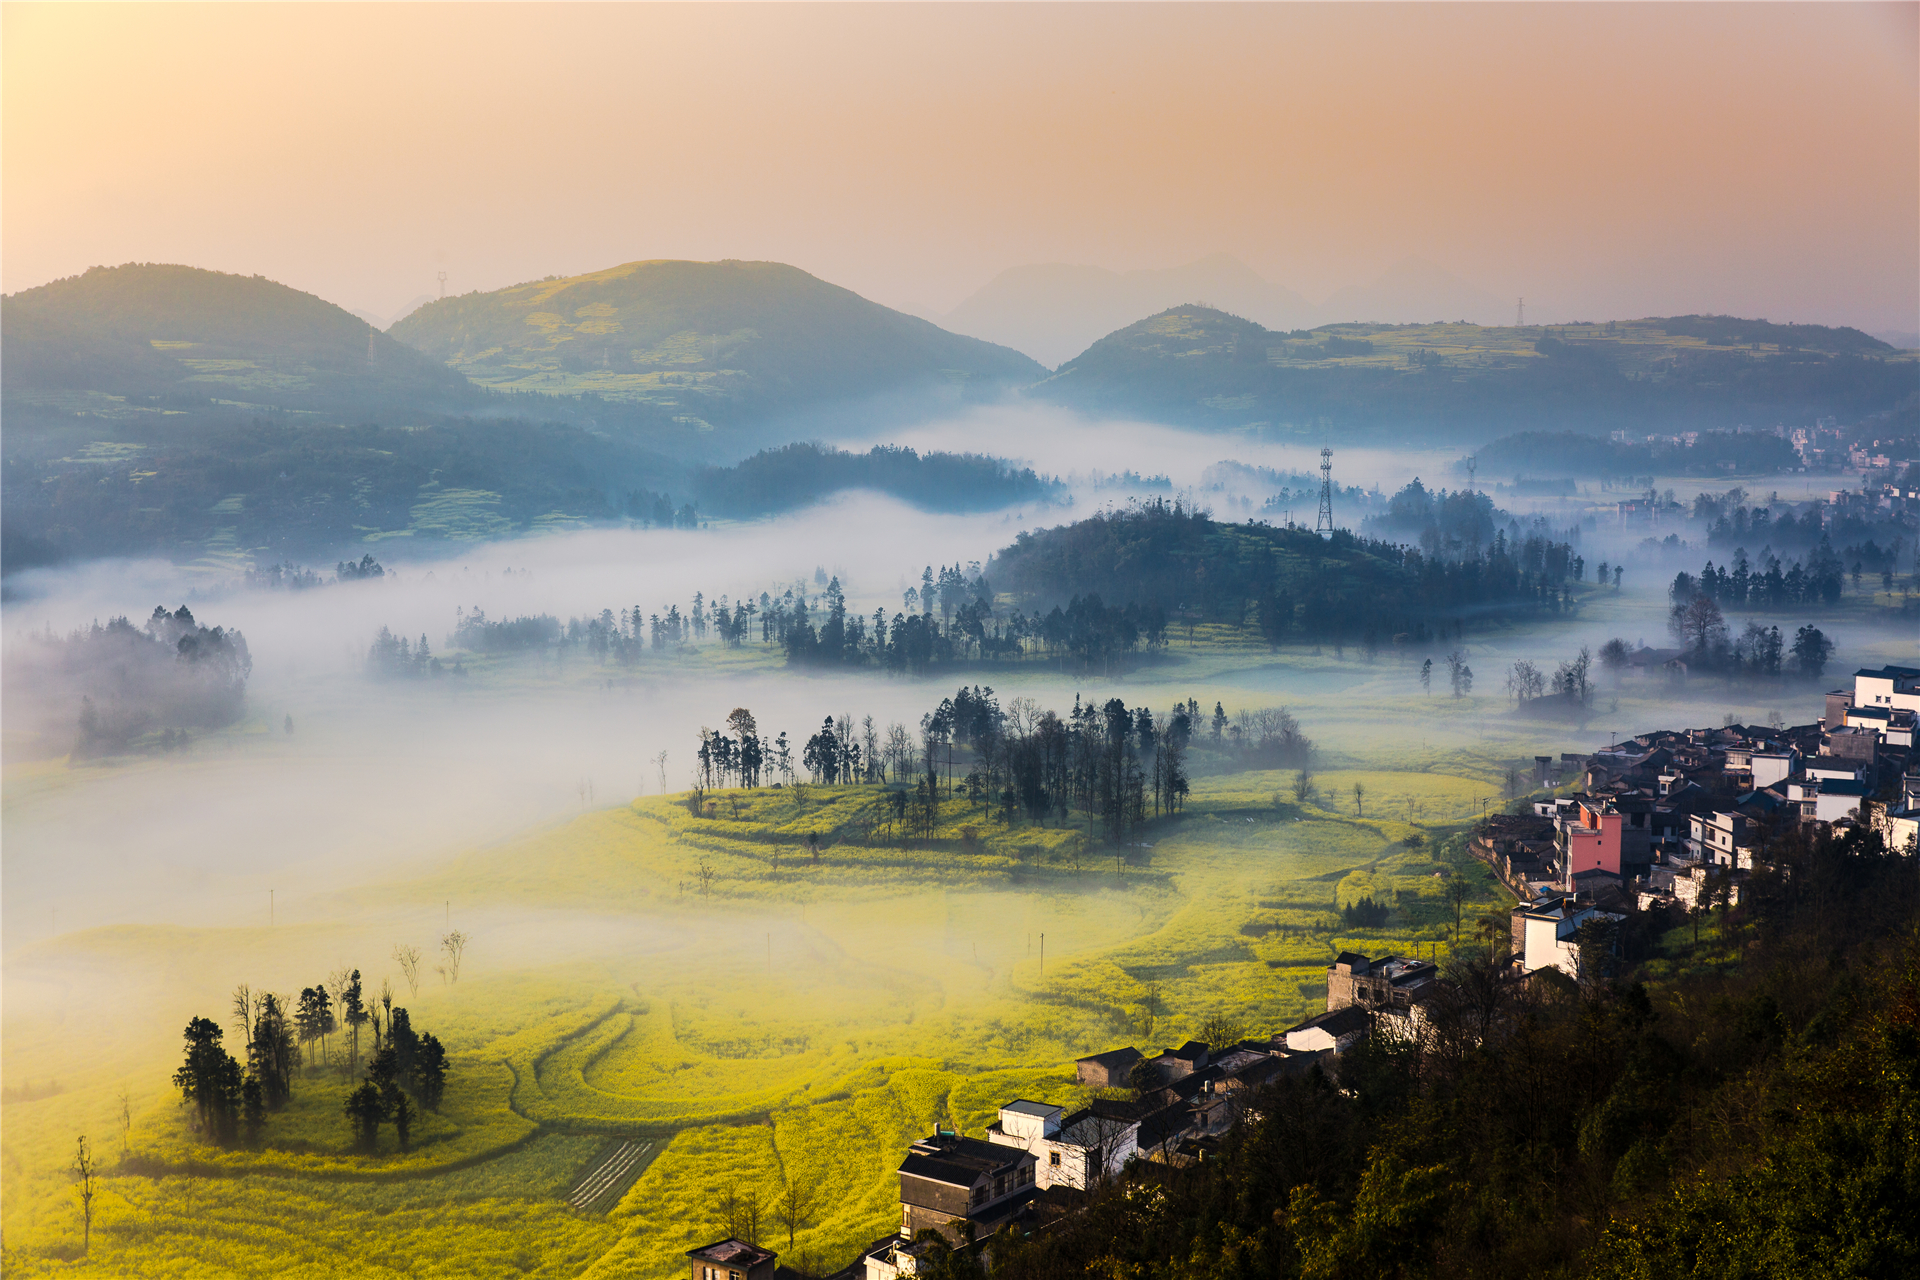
(1520, 313)
(1473, 465)
(370, 359)
(443, 284)
(1324, 525)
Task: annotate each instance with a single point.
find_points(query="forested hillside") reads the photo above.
(1342, 589)
(712, 343)
(1196, 365)
(1742, 1106)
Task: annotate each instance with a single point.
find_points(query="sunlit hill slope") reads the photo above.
(714, 342)
(148, 339)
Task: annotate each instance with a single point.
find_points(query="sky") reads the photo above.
(1604, 161)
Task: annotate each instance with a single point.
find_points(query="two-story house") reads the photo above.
(946, 1179)
(1723, 839)
(1081, 1150)
(1546, 931)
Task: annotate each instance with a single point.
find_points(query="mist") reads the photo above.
(378, 776)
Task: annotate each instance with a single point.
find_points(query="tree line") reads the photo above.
(797, 474)
(1113, 764)
(1739, 584)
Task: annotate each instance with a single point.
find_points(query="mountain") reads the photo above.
(1204, 367)
(1052, 311)
(1414, 292)
(147, 336)
(709, 342)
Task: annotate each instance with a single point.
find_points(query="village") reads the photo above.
(1667, 825)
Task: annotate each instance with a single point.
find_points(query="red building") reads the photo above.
(1593, 843)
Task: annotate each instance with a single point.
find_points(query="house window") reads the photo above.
(1053, 1158)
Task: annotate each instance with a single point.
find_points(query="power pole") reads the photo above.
(1324, 525)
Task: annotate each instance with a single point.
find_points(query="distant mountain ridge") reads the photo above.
(709, 342)
(1054, 312)
(1204, 367)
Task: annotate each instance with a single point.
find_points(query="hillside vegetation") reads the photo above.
(150, 339)
(1193, 364)
(712, 342)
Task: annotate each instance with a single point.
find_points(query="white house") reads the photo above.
(1337, 1031)
(1826, 801)
(1896, 688)
(1079, 1150)
(1549, 931)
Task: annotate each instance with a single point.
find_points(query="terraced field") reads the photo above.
(629, 1049)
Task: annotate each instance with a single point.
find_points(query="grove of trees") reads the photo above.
(285, 1042)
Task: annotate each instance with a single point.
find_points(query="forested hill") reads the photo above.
(1204, 367)
(1288, 581)
(715, 343)
(168, 340)
(782, 479)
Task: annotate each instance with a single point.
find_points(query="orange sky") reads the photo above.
(1614, 160)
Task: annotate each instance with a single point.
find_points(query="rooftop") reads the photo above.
(1023, 1107)
(959, 1161)
(731, 1252)
(1112, 1057)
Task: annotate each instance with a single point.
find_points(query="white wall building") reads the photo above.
(1549, 933)
(1080, 1150)
(1895, 688)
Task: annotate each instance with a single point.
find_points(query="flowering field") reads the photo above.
(785, 1016)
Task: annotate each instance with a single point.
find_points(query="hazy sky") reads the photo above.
(1615, 160)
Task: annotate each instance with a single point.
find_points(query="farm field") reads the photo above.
(798, 1021)
(788, 1016)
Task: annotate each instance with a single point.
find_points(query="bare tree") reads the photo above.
(1458, 891)
(244, 1013)
(742, 1211)
(704, 874)
(454, 945)
(1221, 1030)
(408, 958)
(793, 1208)
(126, 1122)
(87, 1171)
(1359, 800)
(660, 763)
(1303, 785)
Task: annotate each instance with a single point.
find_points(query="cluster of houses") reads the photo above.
(1677, 818)
(1667, 818)
(1035, 1162)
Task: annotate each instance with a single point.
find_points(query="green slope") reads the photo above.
(145, 338)
(1197, 365)
(711, 341)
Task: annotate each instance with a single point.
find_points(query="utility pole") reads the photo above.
(1324, 525)
(1520, 314)
(1043, 957)
(269, 908)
